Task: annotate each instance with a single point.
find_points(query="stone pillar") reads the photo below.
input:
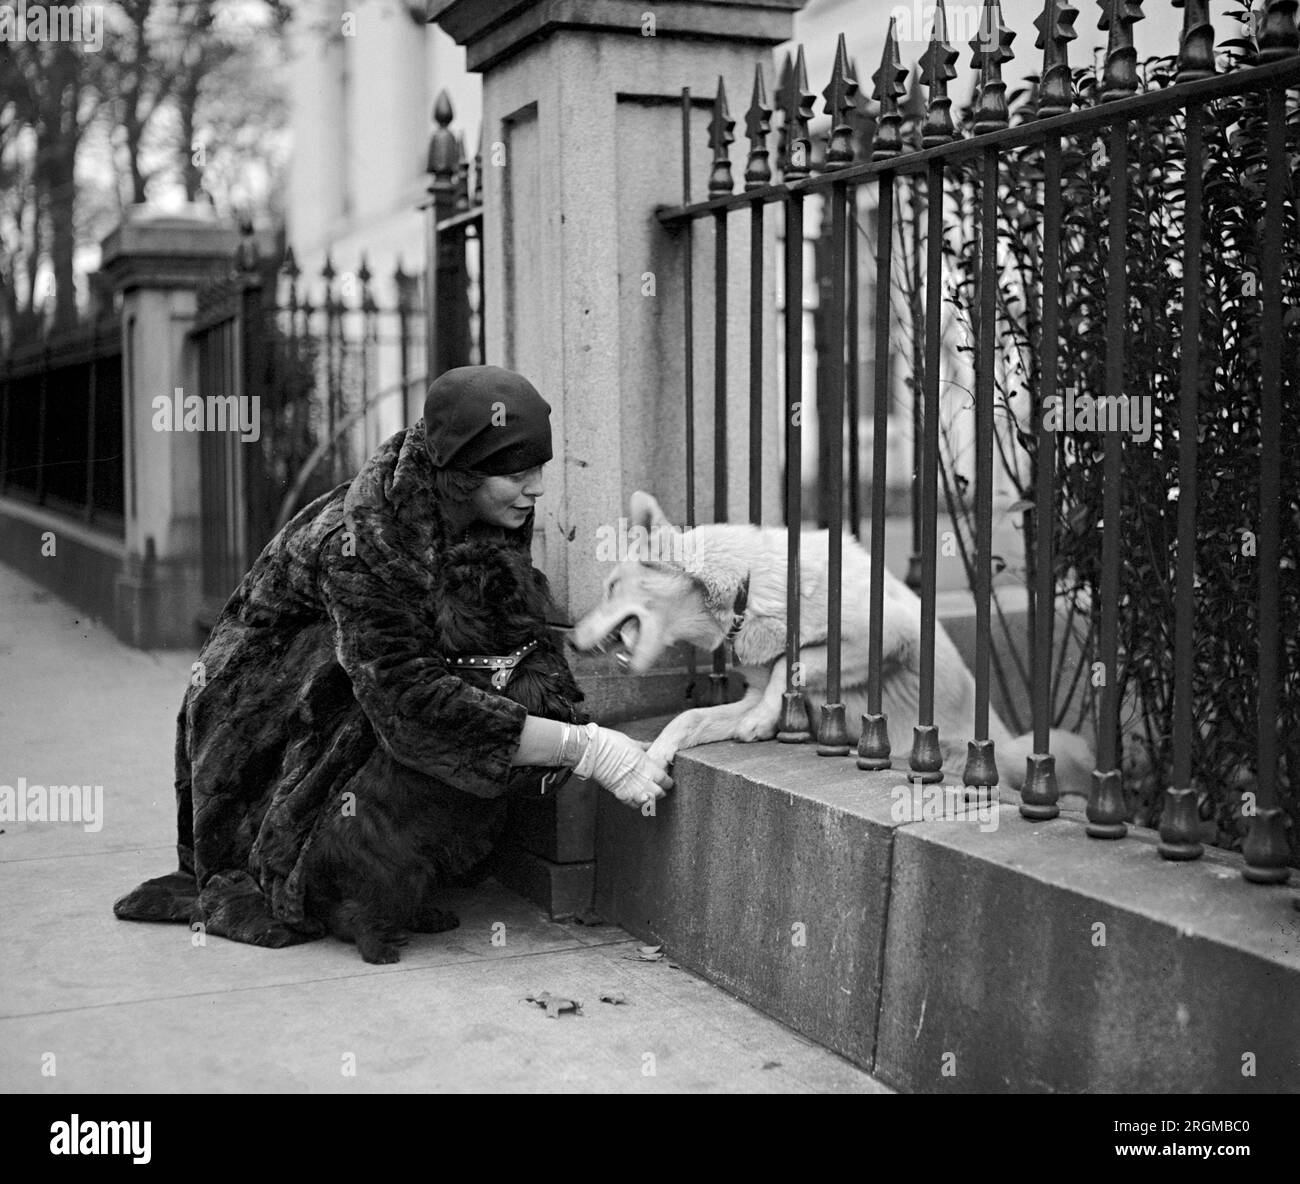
(584, 295)
(157, 261)
(582, 141)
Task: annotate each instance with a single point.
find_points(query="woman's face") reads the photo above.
(506, 501)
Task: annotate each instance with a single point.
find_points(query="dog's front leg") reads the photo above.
(761, 723)
(707, 725)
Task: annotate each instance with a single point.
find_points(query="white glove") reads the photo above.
(622, 766)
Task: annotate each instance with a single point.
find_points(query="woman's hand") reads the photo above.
(622, 766)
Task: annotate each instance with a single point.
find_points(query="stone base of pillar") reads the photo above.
(156, 604)
(562, 889)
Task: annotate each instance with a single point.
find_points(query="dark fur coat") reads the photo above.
(324, 725)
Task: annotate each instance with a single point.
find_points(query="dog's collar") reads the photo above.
(502, 665)
(738, 611)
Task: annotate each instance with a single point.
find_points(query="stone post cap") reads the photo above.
(492, 30)
(151, 248)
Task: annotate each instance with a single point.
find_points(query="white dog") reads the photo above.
(682, 586)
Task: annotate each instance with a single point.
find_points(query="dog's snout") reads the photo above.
(581, 639)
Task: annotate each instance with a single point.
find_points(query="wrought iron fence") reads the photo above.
(61, 442)
(334, 371)
(454, 246)
(324, 371)
(1062, 115)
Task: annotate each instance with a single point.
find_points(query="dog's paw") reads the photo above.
(754, 727)
(663, 749)
(382, 946)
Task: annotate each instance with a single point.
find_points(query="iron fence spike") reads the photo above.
(1277, 34)
(1119, 77)
(444, 149)
(1196, 43)
(863, 118)
(990, 48)
(758, 123)
(782, 86)
(798, 105)
(839, 94)
(721, 134)
(476, 193)
(937, 69)
(1055, 25)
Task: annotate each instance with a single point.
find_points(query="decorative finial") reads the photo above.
(888, 88)
(330, 302)
(1119, 78)
(839, 95)
(246, 255)
(758, 123)
(863, 119)
(936, 69)
(913, 111)
(1277, 37)
(1196, 42)
(476, 194)
(990, 48)
(1028, 110)
(797, 102)
(782, 85)
(401, 286)
(1055, 25)
(721, 134)
(444, 150)
(365, 275)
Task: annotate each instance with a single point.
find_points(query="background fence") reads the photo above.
(61, 441)
(333, 373)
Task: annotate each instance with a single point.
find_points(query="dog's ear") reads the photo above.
(644, 511)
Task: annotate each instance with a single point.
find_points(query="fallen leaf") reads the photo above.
(771, 1064)
(613, 997)
(554, 1004)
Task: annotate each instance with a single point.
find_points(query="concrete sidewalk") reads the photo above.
(90, 1003)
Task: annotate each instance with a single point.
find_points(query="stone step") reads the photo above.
(946, 956)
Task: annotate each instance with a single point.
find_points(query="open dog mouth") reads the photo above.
(621, 640)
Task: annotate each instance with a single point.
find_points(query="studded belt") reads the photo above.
(503, 666)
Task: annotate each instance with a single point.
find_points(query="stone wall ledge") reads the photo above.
(942, 958)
